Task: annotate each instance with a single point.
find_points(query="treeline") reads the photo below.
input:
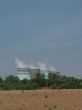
(54, 81)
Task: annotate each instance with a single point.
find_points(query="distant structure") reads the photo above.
(27, 73)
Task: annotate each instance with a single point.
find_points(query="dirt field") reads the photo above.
(41, 100)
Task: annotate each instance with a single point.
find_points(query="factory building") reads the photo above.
(27, 73)
(23, 73)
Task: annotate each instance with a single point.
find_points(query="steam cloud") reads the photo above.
(52, 69)
(32, 66)
(40, 65)
(20, 64)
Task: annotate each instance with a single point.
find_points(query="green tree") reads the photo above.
(40, 79)
(12, 79)
(1, 80)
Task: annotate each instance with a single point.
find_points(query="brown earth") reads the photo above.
(41, 100)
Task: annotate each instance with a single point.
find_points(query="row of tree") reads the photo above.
(54, 81)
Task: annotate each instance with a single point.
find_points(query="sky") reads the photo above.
(41, 31)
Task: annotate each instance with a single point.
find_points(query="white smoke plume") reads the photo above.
(31, 66)
(43, 66)
(40, 65)
(20, 64)
(53, 69)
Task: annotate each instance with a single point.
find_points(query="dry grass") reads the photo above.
(41, 100)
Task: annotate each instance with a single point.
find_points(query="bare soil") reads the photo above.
(41, 100)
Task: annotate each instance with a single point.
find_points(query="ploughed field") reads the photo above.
(41, 100)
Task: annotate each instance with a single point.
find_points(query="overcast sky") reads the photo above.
(41, 31)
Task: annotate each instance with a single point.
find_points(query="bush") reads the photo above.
(54, 86)
(54, 82)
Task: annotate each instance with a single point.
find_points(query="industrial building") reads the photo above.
(27, 73)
